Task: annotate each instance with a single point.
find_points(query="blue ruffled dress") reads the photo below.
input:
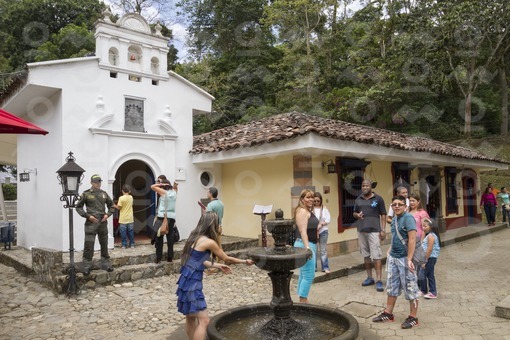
(190, 298)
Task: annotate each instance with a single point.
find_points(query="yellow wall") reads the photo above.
(264, 181)
(380, 172)
(268, 181)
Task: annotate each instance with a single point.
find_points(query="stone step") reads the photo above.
(132, 264)
(125, 273)
(11, 217)
(11, 207)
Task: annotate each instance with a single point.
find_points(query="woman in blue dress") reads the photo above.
(202, 242)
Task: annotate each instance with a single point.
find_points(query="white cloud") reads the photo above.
(180, 35)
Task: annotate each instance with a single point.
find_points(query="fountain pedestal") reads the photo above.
(281, 326)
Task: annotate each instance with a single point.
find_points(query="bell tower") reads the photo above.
(129, 46)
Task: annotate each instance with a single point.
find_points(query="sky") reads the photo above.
(178, 30)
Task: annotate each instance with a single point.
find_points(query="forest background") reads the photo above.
(434, 68)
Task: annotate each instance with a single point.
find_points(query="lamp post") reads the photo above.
(70, 176)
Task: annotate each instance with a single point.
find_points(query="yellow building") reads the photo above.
(269, 162)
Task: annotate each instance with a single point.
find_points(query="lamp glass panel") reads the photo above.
(72, 183)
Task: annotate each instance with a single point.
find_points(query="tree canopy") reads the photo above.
(427, 67)
(417, 66)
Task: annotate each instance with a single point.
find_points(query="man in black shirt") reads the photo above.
(370, 212)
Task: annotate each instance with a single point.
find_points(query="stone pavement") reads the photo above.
(472, 278)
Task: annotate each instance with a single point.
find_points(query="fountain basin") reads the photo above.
(319, 323)
(278, 260)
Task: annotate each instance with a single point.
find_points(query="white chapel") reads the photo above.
(124, 117)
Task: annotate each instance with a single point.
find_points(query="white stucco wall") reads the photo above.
(94, 133)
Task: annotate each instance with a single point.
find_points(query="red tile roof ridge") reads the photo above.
(294, 124)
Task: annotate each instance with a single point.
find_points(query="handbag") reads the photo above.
(176, 236)
(163, 230)
(507, 207)
(419, 252)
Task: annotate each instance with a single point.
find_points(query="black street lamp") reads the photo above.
(70, 176)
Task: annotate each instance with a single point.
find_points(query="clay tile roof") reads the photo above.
(295, 124)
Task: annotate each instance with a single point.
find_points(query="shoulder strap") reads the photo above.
(398, 232)
(201, 239)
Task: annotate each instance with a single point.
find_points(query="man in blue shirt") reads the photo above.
(401, 274)
(215, 205)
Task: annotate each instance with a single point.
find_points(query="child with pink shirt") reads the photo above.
(418, 212)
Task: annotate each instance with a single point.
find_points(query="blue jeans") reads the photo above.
(427, 274)
(490, 212)
(323, 250)
(307, 272)
(127, 230)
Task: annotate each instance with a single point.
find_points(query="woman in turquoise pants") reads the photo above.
(306, 237)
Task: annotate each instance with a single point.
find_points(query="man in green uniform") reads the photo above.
(96, 215)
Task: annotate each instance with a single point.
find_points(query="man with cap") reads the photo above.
(96, 215)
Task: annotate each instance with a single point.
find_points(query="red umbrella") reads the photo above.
(12, 124)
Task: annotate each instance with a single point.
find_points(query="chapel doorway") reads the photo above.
(139, 177)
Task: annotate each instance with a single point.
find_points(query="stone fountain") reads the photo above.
(281, 318)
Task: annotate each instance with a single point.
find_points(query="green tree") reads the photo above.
(298, 23)
(471, 34)
(70, 42)
(25, 25)
(233, 53)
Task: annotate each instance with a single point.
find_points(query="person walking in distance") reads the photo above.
(504, 197)
(489, 203)
(126, 218)
(95, 200)
(401, 273)
(370, 213)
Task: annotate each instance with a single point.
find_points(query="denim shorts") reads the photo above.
(399, 278)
